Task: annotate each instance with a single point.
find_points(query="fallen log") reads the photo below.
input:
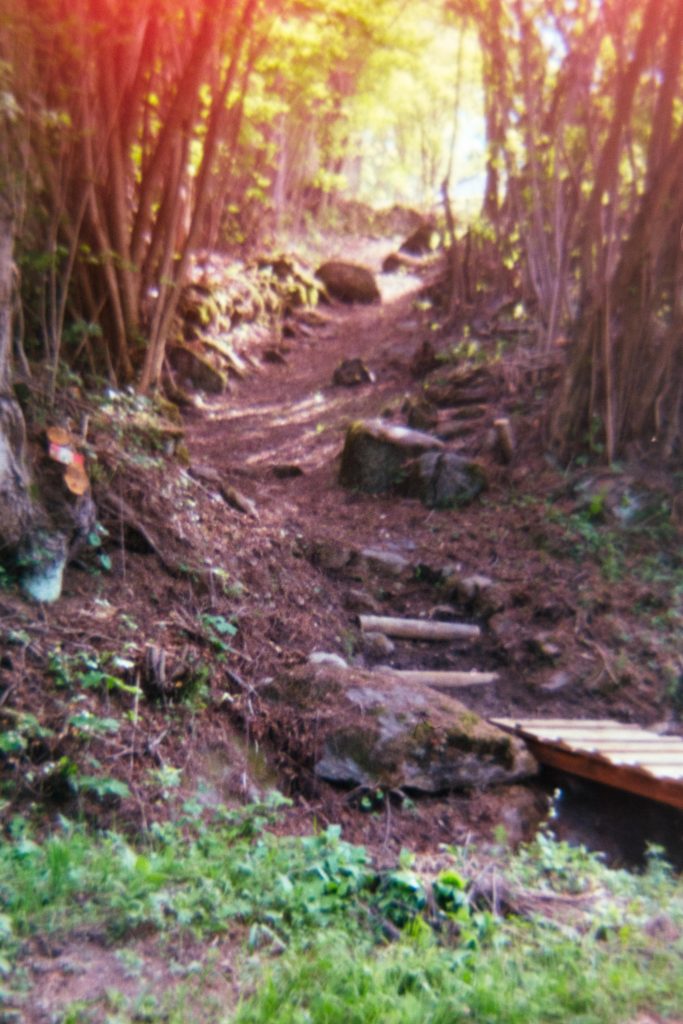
(444, 680)
(418, 629)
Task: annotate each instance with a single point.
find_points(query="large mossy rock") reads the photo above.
(376, 455)
(348, 282)
(373, 729)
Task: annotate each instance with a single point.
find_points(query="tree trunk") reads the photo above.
(169, 297)
(15, 503)
(607, 168)
(492, 26)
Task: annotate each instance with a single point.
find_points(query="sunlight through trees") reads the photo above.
(140, 132)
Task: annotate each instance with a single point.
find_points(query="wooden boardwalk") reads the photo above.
(624, 756)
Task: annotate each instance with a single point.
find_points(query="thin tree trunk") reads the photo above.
(491, 28)
(15, 502)
(154, 359)
(607, 168)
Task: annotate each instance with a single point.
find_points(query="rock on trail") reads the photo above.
(349, 282)
(373, 729)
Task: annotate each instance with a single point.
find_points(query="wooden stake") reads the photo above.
(506, 442)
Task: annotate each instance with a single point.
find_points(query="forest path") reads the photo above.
(277, 437)
(291, 415)
(290, 412)
(278, 434)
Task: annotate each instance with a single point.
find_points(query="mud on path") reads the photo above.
(277, 439)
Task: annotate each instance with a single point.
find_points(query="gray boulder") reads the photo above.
(348, 282)
(377, 645)
(373, 729)
(445, 479)
(376, 455)
(327, 658)
(478, 594)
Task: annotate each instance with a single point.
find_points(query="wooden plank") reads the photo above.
(623, 739)
(596, 730)
(672, 757)
(645, 760)
(444, 680)
(632, 780)
(619, 755)
(567, 723)
(577, 739)
(641, 742)
(663, 765)
(637, 746)
(579, 727)
(577, 730)
(418, 629)
(562, 729)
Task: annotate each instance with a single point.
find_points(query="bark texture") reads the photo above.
(15, 502)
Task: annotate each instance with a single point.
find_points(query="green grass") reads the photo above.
(311, 917)
(596, 968)
(530, 975)
(184, 876)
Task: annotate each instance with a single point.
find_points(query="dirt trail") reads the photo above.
(277, 438)
(291, 413)
(550, 661)
(563, 640)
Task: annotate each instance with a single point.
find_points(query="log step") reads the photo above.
(418, 629)
(443, 680)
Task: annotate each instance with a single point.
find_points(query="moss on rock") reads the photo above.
(370, 728)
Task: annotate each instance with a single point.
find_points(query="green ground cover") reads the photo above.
(319, 935)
